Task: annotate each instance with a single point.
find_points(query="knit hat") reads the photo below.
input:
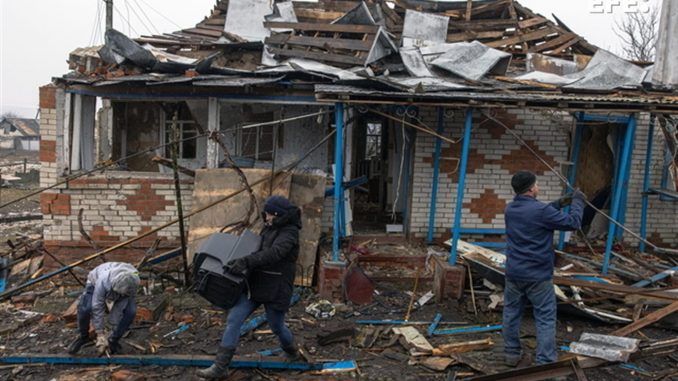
(522, 181)
(277, 205)
(126, 283)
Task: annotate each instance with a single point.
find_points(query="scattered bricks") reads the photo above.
(330, 276)
(24, 299)
(49, 318)
(47, 96)
(127, 375)
(143, 315)
(448, 280)
(71, 313)
(47, 151)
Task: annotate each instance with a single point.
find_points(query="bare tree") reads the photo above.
(9, 114)
(638, 32)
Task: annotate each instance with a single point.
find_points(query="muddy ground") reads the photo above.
(386, 359)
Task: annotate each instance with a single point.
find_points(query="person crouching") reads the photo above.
(112, 281)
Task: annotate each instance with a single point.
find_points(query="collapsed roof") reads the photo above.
(409, 46)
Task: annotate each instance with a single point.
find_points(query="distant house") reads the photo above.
(19, 134)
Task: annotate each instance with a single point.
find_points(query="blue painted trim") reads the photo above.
(270, 352)
(625, 195)
(248, 97)
(436, 173)
(572, 173)
(657, 277)
(468, 124)
(434, 324)
(2, 285)
(164, 257)
(189, 361)
(475, 329)
(339, 174)
(646, 185)
(593, 279)
(618, 189)
(602, 118)
(482, 231)
(329, 191)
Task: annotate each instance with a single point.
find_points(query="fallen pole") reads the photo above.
(178, 360)
(472, 329)
(4, 295)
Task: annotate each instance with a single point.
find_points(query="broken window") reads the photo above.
(256, 142)
(373, 144)
(188, 130)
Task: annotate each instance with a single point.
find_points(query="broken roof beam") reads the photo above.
(527, 37)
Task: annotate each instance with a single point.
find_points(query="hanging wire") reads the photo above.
(103, 167)
(157, 31)
(95, 25)
(570, 186)
(129, 26)
(160, 14)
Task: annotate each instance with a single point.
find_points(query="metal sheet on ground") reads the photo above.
(212, 184)
(308, 192)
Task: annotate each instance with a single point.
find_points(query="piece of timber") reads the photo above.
(626, 290)
(319, 56)
(319, 42)
(647, 320)
(317, 27)
(531, 36)
(467, 346)
(177, 360)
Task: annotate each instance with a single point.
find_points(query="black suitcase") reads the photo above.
(219, 287)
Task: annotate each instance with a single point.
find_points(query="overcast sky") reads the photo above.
(37, 35)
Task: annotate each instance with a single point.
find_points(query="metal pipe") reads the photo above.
(338, 178)
(646, 185)
(572, 173)
(624, 163)
(468, 124)
(436, 172)
(176, 134)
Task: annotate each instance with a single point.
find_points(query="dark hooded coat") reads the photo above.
(272, 268)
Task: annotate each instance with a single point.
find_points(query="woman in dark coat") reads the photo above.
(270, 273)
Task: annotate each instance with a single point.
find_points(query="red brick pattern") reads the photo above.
(48, 151)
(495, 129)
(55, 203)
(486, 205)
(48, 96)
(99, 234)
(330, 277)
(145, 202)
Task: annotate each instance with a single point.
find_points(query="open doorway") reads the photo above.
(382, 154)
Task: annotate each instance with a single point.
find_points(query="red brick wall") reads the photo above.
(48, 151)
(47, 95)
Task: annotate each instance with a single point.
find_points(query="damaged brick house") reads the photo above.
(422, 97)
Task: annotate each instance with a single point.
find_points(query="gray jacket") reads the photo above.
(101, 278)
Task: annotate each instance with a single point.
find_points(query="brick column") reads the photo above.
(448, 280)
(330, 279)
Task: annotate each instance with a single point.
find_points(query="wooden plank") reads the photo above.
(319, 42)
(551, 43)
(530, 23)
(482, 25)
(541, 33)
(469, 36)
(340, 28)
(349, 60)
(213, 184)
(308, 193)
(203, 32)
(469, 9)
(647, 320)
(616, 288)
(566, 45)
(467, 346)
(317, 14)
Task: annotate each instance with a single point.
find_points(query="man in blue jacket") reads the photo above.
(530, 225)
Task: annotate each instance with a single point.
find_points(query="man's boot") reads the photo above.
(220, 367)
(292, 353)
(114, 346)
(78, 343)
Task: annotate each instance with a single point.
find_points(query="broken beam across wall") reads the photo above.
(177, 360)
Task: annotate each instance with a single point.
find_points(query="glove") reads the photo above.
(579, 195)
(102, 343)
(564, 201)
(237, 266)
